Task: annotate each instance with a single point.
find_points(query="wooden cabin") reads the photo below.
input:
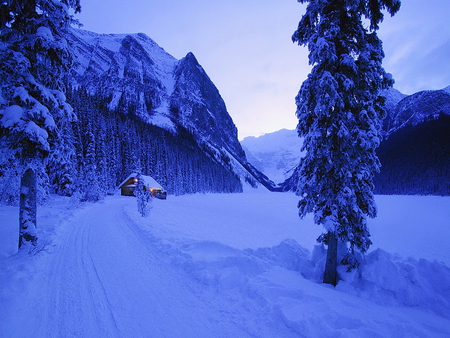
(129, 184)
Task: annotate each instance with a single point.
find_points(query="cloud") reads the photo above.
(417, 47)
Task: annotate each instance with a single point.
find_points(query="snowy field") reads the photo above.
(221, 265)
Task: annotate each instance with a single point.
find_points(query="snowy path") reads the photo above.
(111, 282)
(104, 279)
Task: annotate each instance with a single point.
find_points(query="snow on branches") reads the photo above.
(340, 110)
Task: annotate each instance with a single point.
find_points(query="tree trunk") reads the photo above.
(330, 274)
(27, 210)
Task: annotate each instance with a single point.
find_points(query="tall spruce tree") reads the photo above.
(91, 185)
(34, 59)
(340, 110)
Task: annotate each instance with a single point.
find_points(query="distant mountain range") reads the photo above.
(275, 154)
(415, 152)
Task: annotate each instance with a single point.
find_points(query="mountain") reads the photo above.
(416, 160)
(416, 108)
(415, 152)
(393, 97)
(170, 109)
(275, 154)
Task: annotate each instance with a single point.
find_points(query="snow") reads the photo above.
(36, 132)
(221, 265)
(275, 154)
(45, 33)
(11, 115)
(161, 117)
(2, 99)
(148, 181)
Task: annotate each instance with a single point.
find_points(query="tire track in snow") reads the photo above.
(77, 304)
(106, 278)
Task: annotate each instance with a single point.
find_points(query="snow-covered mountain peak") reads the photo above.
(281, 139)
(276, 154)
(137, 78)
(126, 68)
(149, 49)
(393, 97)
(416, 108)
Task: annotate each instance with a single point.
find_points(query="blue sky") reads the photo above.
(245, 47)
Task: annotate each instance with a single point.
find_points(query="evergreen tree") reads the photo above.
(91, 182)
(340, 110)
(34, 58)
(143, 197)
(9, 177)
(103, 172)
(61, 165)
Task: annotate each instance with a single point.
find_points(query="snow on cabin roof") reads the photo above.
(149, 181)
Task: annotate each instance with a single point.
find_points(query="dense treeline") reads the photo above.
(102, 147)
(416, 160)
(124, 143)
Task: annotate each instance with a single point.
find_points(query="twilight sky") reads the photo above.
(246, 49)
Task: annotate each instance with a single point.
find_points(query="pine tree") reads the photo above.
(91, 182)
(103, 172)
(340, 110)
(61, 165)
(143, 197)
(34, 58)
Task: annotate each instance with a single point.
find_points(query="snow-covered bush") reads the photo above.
(143, 196)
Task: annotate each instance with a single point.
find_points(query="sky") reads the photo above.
(246, 49)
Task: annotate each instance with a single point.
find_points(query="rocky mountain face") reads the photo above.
(414, 109)
(415, 152)
(197, 105)
(137, 80)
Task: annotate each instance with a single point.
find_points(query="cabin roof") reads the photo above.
(149, 181)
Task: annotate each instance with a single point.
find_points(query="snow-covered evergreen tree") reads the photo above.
(61, 165)
(9, 177)
(143, 196)
(340, 110)
(91, 183)
(34, 59)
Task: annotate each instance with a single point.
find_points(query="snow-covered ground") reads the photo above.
(221, 265)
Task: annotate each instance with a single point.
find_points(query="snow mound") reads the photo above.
(389, 280)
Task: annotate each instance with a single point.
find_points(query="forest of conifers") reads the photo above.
(415, 160)
(104, 146)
